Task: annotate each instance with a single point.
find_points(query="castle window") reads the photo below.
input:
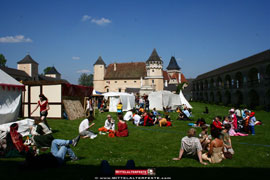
(153, 81)
(115, 81)
(125, 81)
(100, 66)
(135, 81)
(108, 90)
(119, 90)
(153, 70)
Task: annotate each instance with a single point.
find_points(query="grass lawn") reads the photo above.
(152, 147)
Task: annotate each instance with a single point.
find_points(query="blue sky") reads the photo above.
(71, 34)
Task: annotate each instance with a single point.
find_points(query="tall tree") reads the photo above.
(47, 69)
(2, 60)
(85, 79)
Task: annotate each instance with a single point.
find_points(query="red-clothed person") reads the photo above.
(216, 125)
(148, 121)
(122, 128)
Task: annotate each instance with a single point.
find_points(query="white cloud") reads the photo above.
(83, 71)
(86, 18)
(14, 39)
(76, 58)
(101, 21)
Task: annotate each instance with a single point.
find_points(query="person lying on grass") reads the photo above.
(109, 125)
(191, 147)
(55, 158)
(85, 126)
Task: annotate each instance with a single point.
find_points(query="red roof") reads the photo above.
(166, 76)
(134, 70)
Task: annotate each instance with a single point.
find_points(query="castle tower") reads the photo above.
(99, 73)
(28, 65)
(174, 71)
(154, 68)
(53, 73)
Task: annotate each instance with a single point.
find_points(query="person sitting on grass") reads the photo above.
(147, 120)
(128, 116)
(215, 153)
(42, 135)
(122, 127)
(186, 112)
(216, 125)
(204, 138)
(109, 126)
(55, 158)
(191, 146)
(85, 126)
(228, 120)
(226, 139)
(136, 118)
(14, 140)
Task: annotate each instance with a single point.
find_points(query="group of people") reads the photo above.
(217, 145)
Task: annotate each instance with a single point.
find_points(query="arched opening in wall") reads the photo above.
(197, 86)
(238, 80)
(238, 96)
(219, 83)
(254, 99)
(206, 97)
(267, 99)
(267, 72)
(227, 97)
(206, 86)
(212, 84)
(212, 97)
(201, 86)
(193, 87)
(201, 96)
(218, 97)
(253, 77)
(228, 82)
(197, 97)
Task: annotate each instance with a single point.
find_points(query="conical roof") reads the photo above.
(154, 57)
(53, 71)
(173, 64)
(27, 60)
(100, 61)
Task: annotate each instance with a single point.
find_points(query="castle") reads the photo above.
(137, 77)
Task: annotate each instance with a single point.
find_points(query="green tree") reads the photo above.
(180, 87)
(2, 60)
(47, 69)
(86, 80)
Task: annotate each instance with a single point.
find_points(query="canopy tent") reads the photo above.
(162, 99)
(184, 100)
(10, 98)
(96, 93)
(128, 100)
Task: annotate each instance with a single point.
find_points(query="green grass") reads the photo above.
(153, 147)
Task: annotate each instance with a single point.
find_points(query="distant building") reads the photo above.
(244, 82)
(53, 73)
(143, 77)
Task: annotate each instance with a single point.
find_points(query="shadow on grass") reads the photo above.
(15, 170)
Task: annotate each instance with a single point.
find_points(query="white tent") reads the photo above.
(10, 98)
(128, 100)
(160, 99)
(184, 100)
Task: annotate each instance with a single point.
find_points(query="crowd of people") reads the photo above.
(212, 147)
(217, 145)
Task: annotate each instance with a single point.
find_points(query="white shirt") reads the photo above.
(128, 116)
(137, 119)
(109, 125)
(84, 125)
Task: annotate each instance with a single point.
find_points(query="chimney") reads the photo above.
(114, 67)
